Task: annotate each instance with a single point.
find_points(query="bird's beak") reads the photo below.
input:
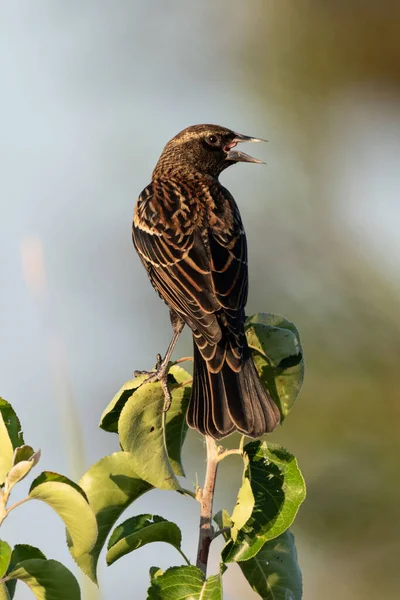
(236, 155)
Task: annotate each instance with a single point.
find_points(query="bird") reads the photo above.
(189, 235)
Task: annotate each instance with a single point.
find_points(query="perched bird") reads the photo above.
(189, 235)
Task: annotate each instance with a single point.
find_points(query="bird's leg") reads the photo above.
(161, 370)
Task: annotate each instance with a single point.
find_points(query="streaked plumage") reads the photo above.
(189, 235)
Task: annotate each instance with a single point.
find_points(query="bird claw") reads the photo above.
(154, 375)
(159, 374)
(167, 394)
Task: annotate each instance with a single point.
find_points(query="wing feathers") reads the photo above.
(199, 269)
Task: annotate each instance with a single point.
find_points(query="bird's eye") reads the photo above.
(212, 139)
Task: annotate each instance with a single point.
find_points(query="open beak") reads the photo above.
(236, 155)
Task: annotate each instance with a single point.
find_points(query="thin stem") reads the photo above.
(184, 359)
(184, 383)
(189, 493)
(226, 453)
(3, 513)
(184, 556)
(18, 504)
(206, 498)
(6, 511)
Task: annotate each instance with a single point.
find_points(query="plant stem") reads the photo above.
(6, 511)
(185, 557)
(226, 453)
(184, 359)
(206, 503)
(188, 493)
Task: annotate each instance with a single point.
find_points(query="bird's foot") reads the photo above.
(159, 374)
(152, 375)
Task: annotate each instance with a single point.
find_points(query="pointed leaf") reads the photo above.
(274, 573)
(24, 552)
(24, 460)
(223, 520)
(47, 579)
(184, 583)
(140, 530)
(278, 356)
(12, 423)
(71, 504)
(111, 414)
(26, 453)
(21, 552)
(155, 572)
(278, 488)
(5, 557)
(10, 437)
(111, 485)
(142, 434)
(17, 473)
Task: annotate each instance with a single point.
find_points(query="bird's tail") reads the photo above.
(227, 401)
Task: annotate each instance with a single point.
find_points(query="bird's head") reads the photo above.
(208, 149)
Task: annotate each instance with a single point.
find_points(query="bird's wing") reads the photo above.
(228, 252)
(176, 260)
(202, 276)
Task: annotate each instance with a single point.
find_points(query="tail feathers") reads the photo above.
(227, 401)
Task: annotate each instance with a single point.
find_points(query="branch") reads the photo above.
(188, 493)
(206, 498)
(4, 512)
(224, 453)
(184, 359)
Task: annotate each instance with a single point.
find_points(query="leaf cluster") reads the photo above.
(256, 533)
(48, 579)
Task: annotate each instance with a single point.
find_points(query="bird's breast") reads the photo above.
(182, 206)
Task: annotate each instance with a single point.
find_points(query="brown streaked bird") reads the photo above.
(189, 235)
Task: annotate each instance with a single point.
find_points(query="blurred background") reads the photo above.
(90, 93)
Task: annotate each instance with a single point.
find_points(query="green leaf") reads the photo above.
(175, 420)
(10, 437)
(155, 572)
(223, 520)
(274, 573)
(4, 595)
(212, 588)
(184, 583)
(140, 530)
(18, 472)
(142, 434)
(111, 485)
(71, 504)
(24, 460)
(47, 579)
(5, 557)
(278, 356)
(278, 489)
(21, 552)
(24, 552)
(23, 453)
(12, 423)
(243, 508)
(111, 414)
